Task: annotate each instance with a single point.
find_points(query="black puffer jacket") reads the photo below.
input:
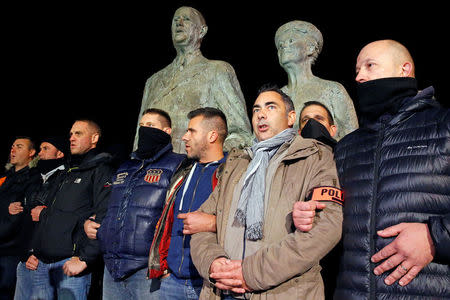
(84, 192)
(392, 171)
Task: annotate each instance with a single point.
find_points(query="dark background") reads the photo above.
(65, 61)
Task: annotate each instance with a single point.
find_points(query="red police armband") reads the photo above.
(328, 193)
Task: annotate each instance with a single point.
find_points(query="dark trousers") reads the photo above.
(8, 266)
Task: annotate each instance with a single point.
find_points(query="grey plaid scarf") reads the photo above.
(250, 209)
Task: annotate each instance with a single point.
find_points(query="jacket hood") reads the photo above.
(94, 158)
(31, 164)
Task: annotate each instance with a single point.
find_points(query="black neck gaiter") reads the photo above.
(45, 166)
(151, 141)
(380, 96)
(315, 130)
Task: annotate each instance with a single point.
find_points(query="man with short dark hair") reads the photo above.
(256, 249)
(62, 247)
(20, 180)
(170, 252)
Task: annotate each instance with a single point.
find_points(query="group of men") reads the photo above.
(251, 223)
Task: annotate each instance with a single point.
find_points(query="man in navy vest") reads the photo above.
(138, 192)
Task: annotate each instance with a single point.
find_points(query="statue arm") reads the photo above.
(229, 98)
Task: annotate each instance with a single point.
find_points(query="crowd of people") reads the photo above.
(251, 223)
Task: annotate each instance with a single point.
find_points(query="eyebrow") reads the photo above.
(266, 104)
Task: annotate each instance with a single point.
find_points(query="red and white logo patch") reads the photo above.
(153, 175)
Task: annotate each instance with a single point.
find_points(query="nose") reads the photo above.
(261, 114)
(361, 77)
(184, 138)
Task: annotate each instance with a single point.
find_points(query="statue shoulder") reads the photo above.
(334, 87)
(221, 66)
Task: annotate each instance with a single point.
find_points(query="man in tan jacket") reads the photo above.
(256, 252)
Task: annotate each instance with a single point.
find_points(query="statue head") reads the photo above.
(188, 28)
(298, 41)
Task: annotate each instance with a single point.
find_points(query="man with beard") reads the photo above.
(170, 252)
(51, 165)
(137, 197)
(18, 183)
(395, 173)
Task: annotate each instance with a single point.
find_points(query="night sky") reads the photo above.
(66, 61)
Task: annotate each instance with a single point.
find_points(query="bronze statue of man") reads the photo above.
(192, 81)
(299, 44)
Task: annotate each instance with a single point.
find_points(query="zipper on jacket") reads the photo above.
(189, 210)
(372, 229)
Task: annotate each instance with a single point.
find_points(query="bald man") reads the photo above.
(395, 172)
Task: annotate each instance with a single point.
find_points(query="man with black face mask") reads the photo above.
(316, 122)
(137, 198)
(395, 173)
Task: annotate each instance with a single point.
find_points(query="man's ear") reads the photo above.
(291, 118)
(32, 153)
(407, 69)
(333, 130)
(212, 136)
(167, 130)
(59, 154)
(94, 138)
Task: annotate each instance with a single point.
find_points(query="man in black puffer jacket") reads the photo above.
(395, 172)
(63, 250)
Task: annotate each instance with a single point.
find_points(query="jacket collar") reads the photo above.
(163, 151)
(298, 147)
(423, 100)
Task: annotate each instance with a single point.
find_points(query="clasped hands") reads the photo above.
(72, 267)
(227, 275)
(407, 254)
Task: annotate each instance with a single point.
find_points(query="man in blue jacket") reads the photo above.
(395, 172)
(137, 198)
(170, 252)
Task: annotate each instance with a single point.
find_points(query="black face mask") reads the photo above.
(45, 166)
(380, 96)
(315, 130)
(151, 141)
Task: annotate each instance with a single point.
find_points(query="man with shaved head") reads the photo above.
(66, 258)
(395, 172)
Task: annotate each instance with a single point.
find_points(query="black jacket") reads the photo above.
(14, 229)
(394, 170)
(84, 192)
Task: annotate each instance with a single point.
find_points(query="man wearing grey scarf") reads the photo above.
(250, 210)
(256, 251)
